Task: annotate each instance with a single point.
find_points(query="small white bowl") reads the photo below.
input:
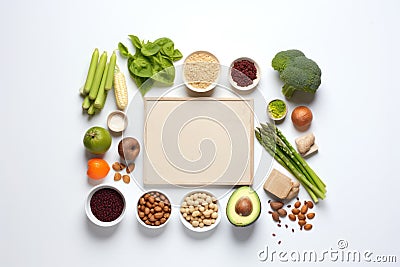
(249, 88)
(142, 222)
(117, 121)
(279, 118)
(205, 228)
(208, 88)
(88, 210)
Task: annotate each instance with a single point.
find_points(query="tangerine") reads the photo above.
(97, 168)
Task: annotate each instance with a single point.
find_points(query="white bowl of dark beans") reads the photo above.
(244, 74)
(153, 209)
(105, 205)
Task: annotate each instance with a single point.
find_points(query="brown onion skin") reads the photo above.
(302, 117)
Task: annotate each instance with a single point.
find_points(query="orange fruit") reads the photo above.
(97, 168)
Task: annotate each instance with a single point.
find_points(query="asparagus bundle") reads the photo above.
(276, 144)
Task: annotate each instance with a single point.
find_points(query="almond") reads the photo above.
(297, 204)
(116, 166)
(304, 209)
(311, 215)
(310, 204)
(126, 179)
(308, 227)
(282, 212)
(302, 222)
(295, 211)
(276, 205)
(275, 216)
(301, 216)
(292, 217)
(117, 176)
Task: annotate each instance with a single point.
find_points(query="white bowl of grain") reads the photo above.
(201, 71)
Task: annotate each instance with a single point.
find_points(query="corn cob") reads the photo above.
(120, 89)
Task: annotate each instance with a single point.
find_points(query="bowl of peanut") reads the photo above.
(200, 211)
(153, 209)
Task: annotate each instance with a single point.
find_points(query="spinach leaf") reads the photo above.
(141, 67)
(136, 42)
(177, 55)
(162, 41)
(150, 49)
(123, 50)
(168, 49)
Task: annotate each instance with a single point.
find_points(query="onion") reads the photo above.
(302, 117)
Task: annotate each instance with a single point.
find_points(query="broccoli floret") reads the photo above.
(297, 72)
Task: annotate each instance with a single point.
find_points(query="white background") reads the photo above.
(45, 52)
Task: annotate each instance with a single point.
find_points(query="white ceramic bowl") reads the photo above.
(205, 228)
(208, 88)
(88, 210)
(272, 117)
(249, 88)
(137, 212)
(121, 117)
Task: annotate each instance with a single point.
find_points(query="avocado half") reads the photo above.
(244, 206)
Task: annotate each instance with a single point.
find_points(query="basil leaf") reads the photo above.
(136, 42)
(123, 50)
(168, 49)
(162, 41)
(150, 49)
(177, 55)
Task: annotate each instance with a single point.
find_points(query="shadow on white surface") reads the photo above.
(241, 234)
(100, 232)
(198, 235)
(150, 233)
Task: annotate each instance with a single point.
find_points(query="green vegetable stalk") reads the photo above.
(91, 72)
(97, 76)
(276, 144)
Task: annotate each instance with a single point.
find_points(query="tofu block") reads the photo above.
(278, 184)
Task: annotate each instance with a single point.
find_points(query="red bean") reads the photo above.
(106, 204)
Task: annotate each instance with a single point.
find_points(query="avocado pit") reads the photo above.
(244, 206)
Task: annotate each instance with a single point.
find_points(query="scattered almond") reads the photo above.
(301, 216)
(117, 176)
(275, 216)
(292, 217)
(130, 168)
(308, 227)
(282, 212)
(117, 166)
(304, 209)
(295, 211)
(126, 179)
(297, 204)
(302, 222)
(310, 204)
(310, 215)
(276, 205)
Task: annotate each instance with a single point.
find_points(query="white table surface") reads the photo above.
(45, 52)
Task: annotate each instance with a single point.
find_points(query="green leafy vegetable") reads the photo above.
(123, 50)
(297, 72)
(152, 62)
(150, 49)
